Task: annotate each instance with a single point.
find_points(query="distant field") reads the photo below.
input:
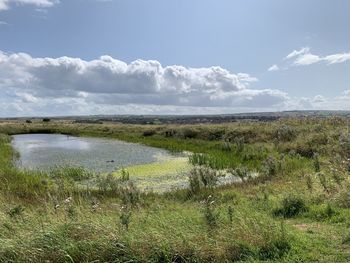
(292, 203)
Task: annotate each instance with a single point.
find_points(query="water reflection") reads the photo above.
(43, 151)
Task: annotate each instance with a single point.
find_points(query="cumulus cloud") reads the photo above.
(109, 82)
(5, 4)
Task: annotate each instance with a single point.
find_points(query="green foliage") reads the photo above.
(271, 167)
(317, 165)
(74, 173)
(202, 177)
(210, 214)
(125, 217)
(230, 213)
(171, 227)
(130, 195)
(286, 133)
(291, 206)
(344, 141)
(241, 172)
(149, 133)
(125, 175)
(16, 211)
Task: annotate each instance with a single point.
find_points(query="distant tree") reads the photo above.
(46, 120)
(28, 121)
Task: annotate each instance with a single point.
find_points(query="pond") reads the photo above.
(46, 151)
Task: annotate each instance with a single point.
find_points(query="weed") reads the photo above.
(323, 181)
(241, 172)
(309, 182)
(16, 211)
(286, 133)
(230, 213)
(202, 177)
(211, 216)
(291, 206)
(130, 195)
(125, 217)
(317, 165)
(125, 175)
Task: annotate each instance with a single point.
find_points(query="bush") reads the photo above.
(344, 199)
(286, 133)
(188, 133)
(274, 250)
(240, 251)
(241, 172)
(344, 141)
(291, 207)
(202, 177)
(149, 133)
(210, 214)
(270, 167)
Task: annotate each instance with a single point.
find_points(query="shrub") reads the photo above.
(108, 183)
(344, 199)
(125, 175)
(241, 172)
(344, 141)
(239, 143)
(202, 177)
(317, 165)
(286, 133)
(274, 250)
(46, 120)
(210, 214)
(240, 252)
(16, 211)
(226, 146)
(188, 133)
(125, 217)
(277, 247)
(323, 212)
(149, 133)
(130, 195)
(323, 181)
(291, 207)
(270, 167)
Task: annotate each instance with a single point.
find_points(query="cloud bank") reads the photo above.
(72, 86)
(107, 82)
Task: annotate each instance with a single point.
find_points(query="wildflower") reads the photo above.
(68, 200)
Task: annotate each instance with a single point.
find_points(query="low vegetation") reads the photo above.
(290, 202)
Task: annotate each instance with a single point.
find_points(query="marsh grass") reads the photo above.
(54, 219)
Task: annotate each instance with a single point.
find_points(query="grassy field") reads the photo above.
(296, 210)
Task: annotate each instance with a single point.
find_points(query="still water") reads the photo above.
(46, 151)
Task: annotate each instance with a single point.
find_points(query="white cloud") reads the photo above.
(296, 53)
(5, 4)
(304, 57)
(273, 68)
(106, 83)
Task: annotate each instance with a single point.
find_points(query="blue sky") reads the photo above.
(182, 57)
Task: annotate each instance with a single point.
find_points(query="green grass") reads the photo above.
(51, 217)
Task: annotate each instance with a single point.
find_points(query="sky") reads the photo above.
(85, 57)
